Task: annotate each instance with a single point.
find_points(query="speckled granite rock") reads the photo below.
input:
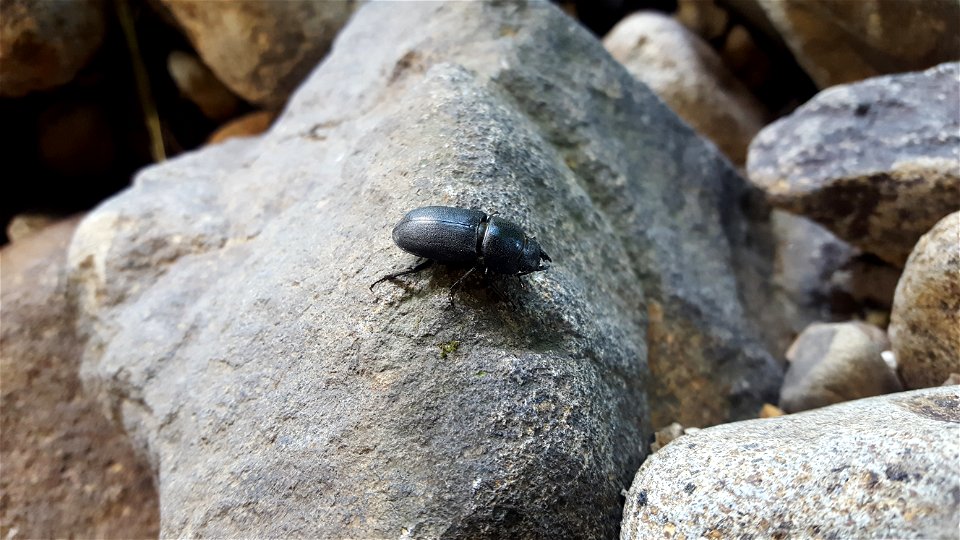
(839, 41)
(261, 50)
(877, 162)
(883, 467)
(232, 330)
(67, 471)
(833, 363)
(44, 44)
(689, 76)
(925, 322)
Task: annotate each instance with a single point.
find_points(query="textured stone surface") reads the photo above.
(67, 471)
(261, 50)
(44, 44)
(832, 363)
(232, 329)
(883, 467)
(876, 162)
(198, 84)
(925, 321)
(839, 41)
(689, 76)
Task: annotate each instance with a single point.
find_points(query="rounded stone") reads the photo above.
(261, 50)
(844, 41)
(44, 44)
(833, 363)
(688, 75)
(198, 84)
(876, 162)
(882, 467)
(925, 321)
(248, 125)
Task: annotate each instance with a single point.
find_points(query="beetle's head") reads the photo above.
(532, 257)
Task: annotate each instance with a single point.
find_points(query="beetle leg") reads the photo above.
(456, 284)
(422, 265)
(490, 283)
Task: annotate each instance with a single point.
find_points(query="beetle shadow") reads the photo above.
(459, 281)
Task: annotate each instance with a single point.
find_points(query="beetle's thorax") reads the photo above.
(502, 246)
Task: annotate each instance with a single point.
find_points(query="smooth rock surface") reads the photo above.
(43, 44)
(841, 41)
(248, 125)
(746, 59)
(22, 226)
(67, 471)
(261, 50)
(198, 84)
(703, 17)
(883, 467)
(820, 278)
(232, 329)
(811, 271)
(876, 162)
(925, 321)
(689, 76)
(833, 363)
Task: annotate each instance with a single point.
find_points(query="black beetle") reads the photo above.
(462, 236)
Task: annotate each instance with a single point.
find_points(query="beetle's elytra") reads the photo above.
(462, 236)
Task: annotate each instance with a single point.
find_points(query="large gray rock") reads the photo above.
(884, 467)
(261, 50)
(232, 331)
(44, 44)
(689, 76)
(67, 471)
(925, 321)
(876, 162)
